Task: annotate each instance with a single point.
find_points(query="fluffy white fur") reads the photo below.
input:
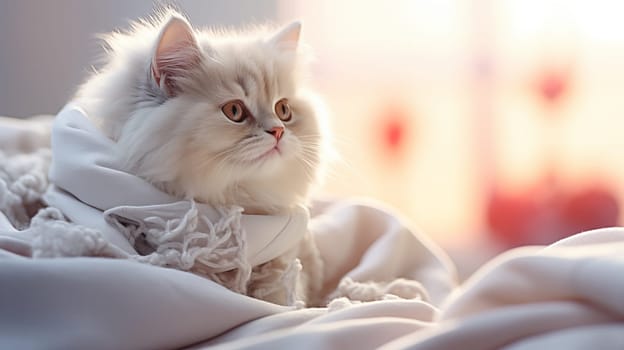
(159, 95)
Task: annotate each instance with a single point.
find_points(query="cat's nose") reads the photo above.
(276, 131)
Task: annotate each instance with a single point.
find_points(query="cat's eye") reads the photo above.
(235, 111)
(282, 110)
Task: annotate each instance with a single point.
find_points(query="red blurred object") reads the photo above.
(553, 85)
(510, 217)
(543, 214)
(394, 134)
(590, 208)
(393, 130)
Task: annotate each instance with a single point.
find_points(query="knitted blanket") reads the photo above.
(72, 275)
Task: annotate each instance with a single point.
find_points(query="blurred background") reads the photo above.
(488, 123)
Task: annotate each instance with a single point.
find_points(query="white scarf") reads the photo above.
(92, 189)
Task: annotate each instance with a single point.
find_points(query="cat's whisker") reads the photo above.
(219, 156)
(316, 136)
(331, 137)
(308, 168)
(308, 163)
(332, 158)
(238, 148)
(215, 60)
(329, 171)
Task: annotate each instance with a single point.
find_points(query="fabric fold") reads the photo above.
(93, 189)
(388, 279)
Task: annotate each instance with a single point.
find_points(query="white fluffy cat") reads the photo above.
(220, 117)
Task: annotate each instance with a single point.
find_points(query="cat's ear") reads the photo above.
(288, 37)
(175, 53)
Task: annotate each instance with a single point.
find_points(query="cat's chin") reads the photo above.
(271, 155)
(271, 161)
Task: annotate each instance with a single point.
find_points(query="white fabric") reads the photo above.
(92, 188)
(86, 167)
(567, 295)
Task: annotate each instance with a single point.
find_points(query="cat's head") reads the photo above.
(221, 117)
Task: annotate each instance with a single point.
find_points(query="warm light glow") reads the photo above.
(497, 95)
